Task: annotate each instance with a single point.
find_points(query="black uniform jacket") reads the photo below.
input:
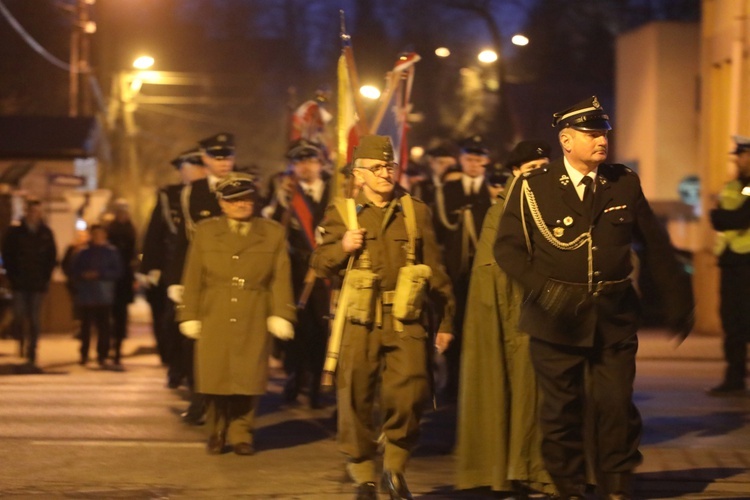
(621, 217)
(455, 201)
(160, 240)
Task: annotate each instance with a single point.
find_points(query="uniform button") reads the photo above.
(233, 320)
(594, 248)
(234, 299)
(235, 257)
(596, 294)
(597, 273)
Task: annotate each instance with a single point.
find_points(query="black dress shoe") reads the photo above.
(367, 491)
(192, 418)
(395, 485)
(244, 449)
(215, 445)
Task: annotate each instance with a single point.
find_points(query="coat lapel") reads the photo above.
(603, 194)
(567, 189)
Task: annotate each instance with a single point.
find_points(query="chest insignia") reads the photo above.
(602, 180)
(558, 231)
(618, 207)
(568, 221)
(564, 179)
(205, 213)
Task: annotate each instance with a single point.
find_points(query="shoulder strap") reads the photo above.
(411, 226)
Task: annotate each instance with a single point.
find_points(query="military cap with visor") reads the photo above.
(374, 147)
(743, 144)
(192, 156)
(585, 115)
(526, 151)
(218, 146)
(236, 185)
(474, 145)
(302, 149)
(439, 152)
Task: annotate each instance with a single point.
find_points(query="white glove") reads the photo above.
(175, 292)
(279, 327)
(154, 276)
(191, 329)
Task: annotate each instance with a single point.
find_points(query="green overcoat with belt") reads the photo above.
(498, 440)
(232, 284)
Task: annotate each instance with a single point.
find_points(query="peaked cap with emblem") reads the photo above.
(526, 151)
(192, 156)
(474, 145)
(586, 115)
(236, 185)
(374, 147)
(743, 144)
(302, 149)
(218, 146)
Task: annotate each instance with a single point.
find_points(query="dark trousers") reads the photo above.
(231, 416)
(26, 311)
(99, 316)
(571, 378)
(119, 326)
(735, 320)
(156, 296)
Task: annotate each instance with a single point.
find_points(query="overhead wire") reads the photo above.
(31, 42)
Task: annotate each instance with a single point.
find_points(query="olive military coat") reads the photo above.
(232, 284)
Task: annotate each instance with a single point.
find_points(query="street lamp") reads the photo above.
(487, 56)
(442, 52)
(143, 62)
(520, 40)
(369, 92)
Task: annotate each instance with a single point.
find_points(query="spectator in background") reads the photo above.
(95, 270)
(80, 241)
(29, 256)
(122, 236)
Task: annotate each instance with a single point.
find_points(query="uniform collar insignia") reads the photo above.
(602, 180)
(564, 179)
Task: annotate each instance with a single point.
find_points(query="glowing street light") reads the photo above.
(369, 92)
(442, 52)
(143, 62)
(520, 40)
(487, 56)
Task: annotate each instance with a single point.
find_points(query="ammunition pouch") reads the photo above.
(410, 291)
(363, 288)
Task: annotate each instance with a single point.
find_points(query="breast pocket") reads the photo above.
(619, 224)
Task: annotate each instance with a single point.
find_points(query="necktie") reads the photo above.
(588, 194)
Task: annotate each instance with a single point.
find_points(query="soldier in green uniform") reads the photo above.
(237, 288)
(566, 236)
(376, 346)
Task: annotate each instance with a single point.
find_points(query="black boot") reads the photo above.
(395, 485)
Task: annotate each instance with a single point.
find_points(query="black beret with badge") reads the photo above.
(474, 145)
(526, 151)
(236, 185)
(192, 156)
(302, 149)
(585, 115)
(374, 147)
(218, 146)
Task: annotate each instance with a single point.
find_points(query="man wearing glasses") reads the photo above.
(376, 346)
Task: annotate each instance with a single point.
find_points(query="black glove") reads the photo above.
(562, 300)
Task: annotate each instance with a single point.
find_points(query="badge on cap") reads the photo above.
(595, 103)
(558, 231)
(205, 213)
(568, 221)
(564, 179)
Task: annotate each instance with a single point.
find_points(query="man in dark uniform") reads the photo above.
(300, 203)
(732, 218)
(160, 267)
(570, 248)
(379, 347)
(198, 202)
(465, 203)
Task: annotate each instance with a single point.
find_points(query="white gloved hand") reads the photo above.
(142, 280)
(280, 328)
(191, 329)
(154, 276)
(175, 292)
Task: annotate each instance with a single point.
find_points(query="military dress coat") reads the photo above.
(232, 284)
(498, 438)
(621, 217)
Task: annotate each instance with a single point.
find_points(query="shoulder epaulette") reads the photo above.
(536, 171)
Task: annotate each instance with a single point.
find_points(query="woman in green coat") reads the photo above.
(499, 442)
(237, 289)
